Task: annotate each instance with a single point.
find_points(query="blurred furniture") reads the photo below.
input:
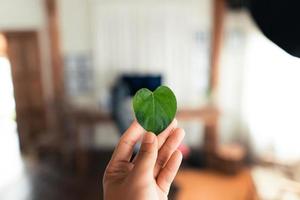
(83, 121)
(205, 184)
(209, 117)
(228, 158)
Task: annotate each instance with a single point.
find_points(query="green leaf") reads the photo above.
(155, 110)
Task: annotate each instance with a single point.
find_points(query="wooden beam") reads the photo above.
(211, 130)
(56, 59)
(56, 106)
(219, 7)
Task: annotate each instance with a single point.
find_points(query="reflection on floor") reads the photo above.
(48, 181)
(27, 179)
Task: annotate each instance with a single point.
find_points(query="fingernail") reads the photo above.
(148, 138)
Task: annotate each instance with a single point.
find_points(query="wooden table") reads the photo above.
(89, 117)
(209, 116)
(85, 118)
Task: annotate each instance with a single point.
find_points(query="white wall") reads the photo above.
(21, 14)
(140, 36)
(75, 26)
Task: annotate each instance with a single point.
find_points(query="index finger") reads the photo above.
(124, 149)
(162, 137)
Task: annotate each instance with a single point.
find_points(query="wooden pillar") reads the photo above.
(211, 130)
(57, 104)
(55, 51)
(216, 42)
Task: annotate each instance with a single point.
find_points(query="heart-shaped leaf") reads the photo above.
(155, 110)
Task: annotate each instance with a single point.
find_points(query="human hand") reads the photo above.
(150, 174)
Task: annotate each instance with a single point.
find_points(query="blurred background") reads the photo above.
(68, 71)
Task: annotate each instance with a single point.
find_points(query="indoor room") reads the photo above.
(71, 69)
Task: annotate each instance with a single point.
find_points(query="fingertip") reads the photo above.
(175, 160)
(149, 143)
(131, 136)
(134, 130)
(175, 122)
(180, 131)
(177, 136)
(178, 154)
(135, 124)
(149, 138)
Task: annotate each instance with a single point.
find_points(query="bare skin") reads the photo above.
(150, 174)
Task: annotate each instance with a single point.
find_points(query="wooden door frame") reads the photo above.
(23, 139)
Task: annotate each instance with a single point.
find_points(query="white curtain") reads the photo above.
(260, 90)
(272, 98)
(170, 38)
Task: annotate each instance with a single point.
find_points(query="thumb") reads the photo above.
(147, 155)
